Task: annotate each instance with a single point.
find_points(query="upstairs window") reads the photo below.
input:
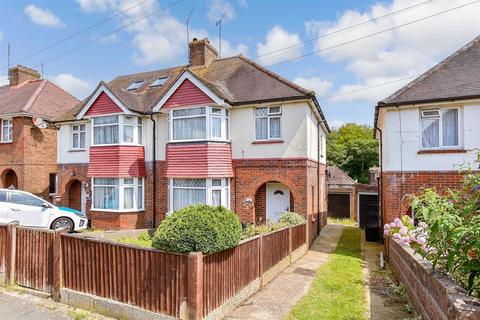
(118, 129)
(267, 123)
(78, 136)
(201, 123)
(439, 128)
(135, 85)
(6, 130)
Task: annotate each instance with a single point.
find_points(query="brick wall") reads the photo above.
(396, 187)
(432, 294)
(32, 155)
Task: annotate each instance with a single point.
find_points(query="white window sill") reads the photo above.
(118, 144)
(117, 211)
(77, 150)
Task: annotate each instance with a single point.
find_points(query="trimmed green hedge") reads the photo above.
(199, 228)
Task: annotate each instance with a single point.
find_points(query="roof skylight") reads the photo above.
(159, 82)
(135, 85)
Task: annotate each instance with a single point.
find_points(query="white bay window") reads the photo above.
(186, 192)
(440, 128)
(118, 194)
(268, 123)
(117, 129)
(200, 123)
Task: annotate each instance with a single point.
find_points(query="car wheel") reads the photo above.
(62, 223)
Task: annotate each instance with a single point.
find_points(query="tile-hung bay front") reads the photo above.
(216, 131)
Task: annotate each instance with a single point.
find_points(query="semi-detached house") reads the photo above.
(216, 131)
(429, 129)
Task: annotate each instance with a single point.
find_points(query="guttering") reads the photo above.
(318, 177)
(154, 159)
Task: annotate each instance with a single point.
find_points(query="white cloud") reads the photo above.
(78, 87)
(3, 81)
(317, 84)
(229, 50)
(219, 8)
(335, 124)
(161, 38)
(402, 52)
(278, 38)
(42, 17)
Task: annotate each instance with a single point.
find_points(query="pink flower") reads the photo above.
(396, 236)
(421, 240)
(398, 223)
(386, 227)
(406, 240)
(412, 222)
(392, 225)
(423, 225)
(412, 238)
(403, 231)
(386, 232)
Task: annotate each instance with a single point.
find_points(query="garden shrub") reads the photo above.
(199, 228)
(252, 230)
(292, 219)
(448, 234)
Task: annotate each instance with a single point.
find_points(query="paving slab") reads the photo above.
(276, 299)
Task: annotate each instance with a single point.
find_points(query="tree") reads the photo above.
(353, 149)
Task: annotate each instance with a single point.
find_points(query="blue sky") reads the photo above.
(348, 79)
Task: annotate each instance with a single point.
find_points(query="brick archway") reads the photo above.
(260, 202)
(9, 179)
(73, 191)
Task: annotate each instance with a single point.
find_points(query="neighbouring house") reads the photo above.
(352, 200)
(28, 140)
(428, 129)
(216, 131)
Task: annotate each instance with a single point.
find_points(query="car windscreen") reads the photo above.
(3, 196)
(25, 199)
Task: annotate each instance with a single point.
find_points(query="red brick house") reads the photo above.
(428, 129)
(28, 140)
(216, 131)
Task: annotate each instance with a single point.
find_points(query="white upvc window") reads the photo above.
(6, 130)
(78, 136)
(268, 123)
(117, 129)
(186, 192)
(118, 194)
(199, 123)
(440, 128)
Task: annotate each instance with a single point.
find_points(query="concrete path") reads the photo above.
(20, 306)
(276, 299)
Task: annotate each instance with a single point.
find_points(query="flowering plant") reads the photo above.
(404, 230)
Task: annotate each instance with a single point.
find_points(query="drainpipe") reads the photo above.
(154, 136)
(318, 177)
(380, 181)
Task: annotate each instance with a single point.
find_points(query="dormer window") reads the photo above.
(159, 82)
(117, 129)
(200, 123)
(135, 85)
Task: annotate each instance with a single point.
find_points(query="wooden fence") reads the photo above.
(147, 278)
(185, 286)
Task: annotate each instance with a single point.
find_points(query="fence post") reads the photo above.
(11, 249)
(57, 264)
(290, 243)
(260, 259)
(195, 285)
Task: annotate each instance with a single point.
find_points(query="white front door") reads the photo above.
(278, 200)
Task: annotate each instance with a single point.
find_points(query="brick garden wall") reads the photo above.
(432, 294)
(396, 187)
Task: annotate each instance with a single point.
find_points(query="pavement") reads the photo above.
(16, 305)
(278, 297)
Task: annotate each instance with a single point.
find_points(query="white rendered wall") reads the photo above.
(402, 140)
(65, 154)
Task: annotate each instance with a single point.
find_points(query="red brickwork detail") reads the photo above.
(261, 204)
(32, 156)
(396, 188)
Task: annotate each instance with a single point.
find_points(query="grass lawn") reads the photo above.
(338, 291)
(342, 221)
(144, 240)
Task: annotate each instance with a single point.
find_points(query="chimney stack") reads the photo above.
(20, 74)
(202, 53)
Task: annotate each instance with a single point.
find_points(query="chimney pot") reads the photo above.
(21, 74)
(202, 53)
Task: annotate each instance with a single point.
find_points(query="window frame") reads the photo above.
(224, 115)
(79, 132)
(137, 132)
(209, 188)
(9, 126)
(441, 111)
(121, 186)
(269, 117)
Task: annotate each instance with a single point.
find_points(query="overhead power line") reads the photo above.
(76, 34)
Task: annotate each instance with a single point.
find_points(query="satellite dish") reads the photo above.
(39, 123)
